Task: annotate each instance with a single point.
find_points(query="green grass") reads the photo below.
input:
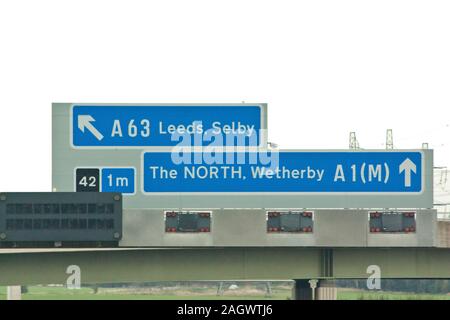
(381, 295)
(61, 293)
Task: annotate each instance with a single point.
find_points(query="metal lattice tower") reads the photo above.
(353, 142)
(443, 171)
(443, 180)
(389, 139)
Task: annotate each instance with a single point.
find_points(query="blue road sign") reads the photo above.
(118, 180)
(298, 172)
(153, 126)
(104, 179)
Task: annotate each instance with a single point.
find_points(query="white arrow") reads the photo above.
(84, 121)
(407, 166)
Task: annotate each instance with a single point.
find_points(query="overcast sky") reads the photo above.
(324, 67)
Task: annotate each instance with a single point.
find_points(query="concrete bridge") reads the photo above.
(49, 266)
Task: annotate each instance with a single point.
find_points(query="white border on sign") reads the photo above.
(262, 133)
(414, 193)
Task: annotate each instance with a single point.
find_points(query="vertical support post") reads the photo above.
(314, 290)
(268, 289)
(301, 290)
(327, 263)
(220, 289)
(313, 285)
(14, 293)
(326, 290)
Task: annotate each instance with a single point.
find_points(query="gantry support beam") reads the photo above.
(26, 267)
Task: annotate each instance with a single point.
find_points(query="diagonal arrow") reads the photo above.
(84, 122)
(407, 166)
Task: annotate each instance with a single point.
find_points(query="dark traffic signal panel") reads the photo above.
(178, 221)
(290, 221)
(60, 219)
(392, 222)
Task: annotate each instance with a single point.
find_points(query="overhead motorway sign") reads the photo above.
(305, 179)
(149, 126)
(285, 172)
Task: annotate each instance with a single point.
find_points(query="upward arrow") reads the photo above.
(407, 166)
(84, 121)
